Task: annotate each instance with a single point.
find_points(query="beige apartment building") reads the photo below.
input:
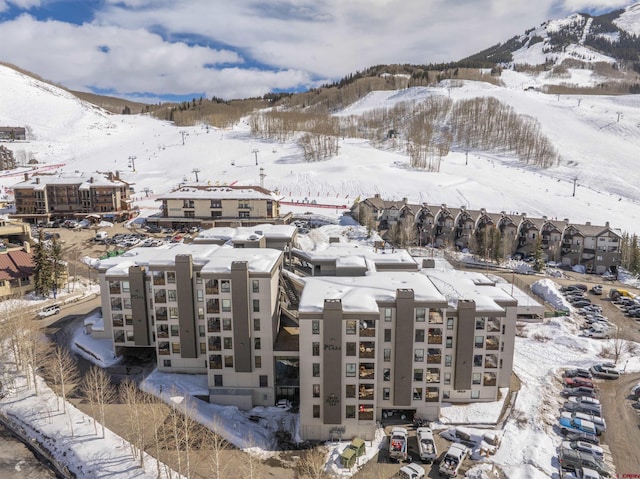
(71, 195)
(204, 309)
(399, 344)
(208, 206)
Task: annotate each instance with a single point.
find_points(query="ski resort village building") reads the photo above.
(351, 344)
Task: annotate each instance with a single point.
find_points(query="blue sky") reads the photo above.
(158, 50)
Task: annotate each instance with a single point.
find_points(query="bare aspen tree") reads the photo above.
(312, 465)
(218, 446)
(252, 466)
(63, 372)
(99, 391)
(134, 402)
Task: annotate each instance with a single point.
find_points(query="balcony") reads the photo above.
(367, 349)
(367, 371)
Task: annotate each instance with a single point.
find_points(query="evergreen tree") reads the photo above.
(538, 263)
(58, 265)
(634, 255)
(42, 267)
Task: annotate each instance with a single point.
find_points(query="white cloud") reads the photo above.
(300, 39)
(584, 5)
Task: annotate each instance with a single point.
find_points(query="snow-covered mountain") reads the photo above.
(597, 136)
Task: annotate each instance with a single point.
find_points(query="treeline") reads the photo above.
(630, 253)
(215, 112)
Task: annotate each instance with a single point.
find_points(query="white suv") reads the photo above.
(48, 311)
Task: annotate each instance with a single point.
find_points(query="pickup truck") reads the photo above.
(398, 444)
(452, 460)
(568, 425)
(426, 444)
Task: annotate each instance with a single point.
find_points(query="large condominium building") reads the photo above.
(71, 195)
(399, 343)
(208, 206)
(204, 309)
(371, 337)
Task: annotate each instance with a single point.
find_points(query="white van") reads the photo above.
(101, 235)
(49, 311)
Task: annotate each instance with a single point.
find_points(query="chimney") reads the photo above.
(566, 220)
(26, 176)
(37, 181)
(377, 195)
(544, 218)
(405, 200)
(110, 176)
(117, 175)
(606, 224)
(588, 223)
(26, 246)
(91, 180)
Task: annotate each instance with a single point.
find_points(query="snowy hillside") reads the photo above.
(599, 153)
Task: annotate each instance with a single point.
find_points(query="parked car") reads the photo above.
(598, 422)
(577, 372)
(598, 333)
(283, 404)
(575, 460)
(453, 460)
(635, 392)
(569, 424)
(426, 444)
(580, 303)
(587, 402)
(583, 437)
(597, 290)
(604, 371)
(584, 408)
(49, 311)
(578, 381)
(578, 391)
(587, 448)
(410, 471)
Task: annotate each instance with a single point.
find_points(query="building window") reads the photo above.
(316, 407)
(386, 393)
(213, 325)
(477, 360)
(217, 380)
(117, 321)
(216, 203)
(200, 297)
(386, 354)
(175, 348)
(163, 331)
(256, 305)
(226, 324)
(350, 412)
(315, 326)
(198, 278)
(225, 286)
(316, 390)
(417, 394)
(450, 323)
(387, 335)
(433, 375)
(163, 347)
(203, 348)
(447, 360)
(256, 343)
(350, 391)
(447, 378)
(215, 343)
(228, 361)
(211, 286)
(446, 394)
(255, 286)
(417, 375)
(388, 314)
(173, 313)
(114, 287)
(431, 394)
(477, 378)
(421, 314)
(215, 361)
(171, 277)
(258, 361)
(475, 394)
(351, 349)
(419, 336)
(175, 330)
(158, 278)
(479, 342)
(315, 349)
(200, 313)
(418, 355)
(352, 326)
(226, 305)
(228, 343)
(256, 324)
(449, 343)
(351, 370)
(166, 363)
(365, 412)
(264, 381)
(128, 320)
(489, 379)
(480, 324)
(386, 374)
(116, 304)
(316, 370)
(130, 336)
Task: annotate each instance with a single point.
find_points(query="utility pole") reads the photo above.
(575, 180)
(183, 133)
(147, 190)
(132, 161)
(196, 171)
(466, 157)
(262, 175)
(255, 152)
